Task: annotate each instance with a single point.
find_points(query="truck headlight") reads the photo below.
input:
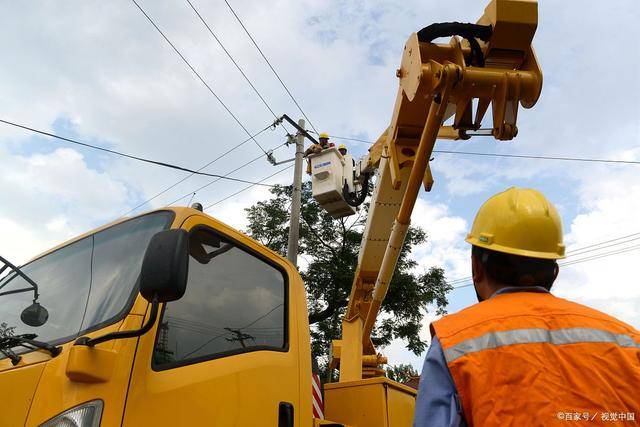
(85, 415)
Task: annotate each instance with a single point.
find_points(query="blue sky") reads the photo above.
(98, 71)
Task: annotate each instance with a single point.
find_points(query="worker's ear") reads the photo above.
(478, 273)
(477, 270)
(554, 275)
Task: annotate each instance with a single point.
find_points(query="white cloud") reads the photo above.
(47, 198)
(445, 246)
(20, 242)
(232, 211)
(610, 206)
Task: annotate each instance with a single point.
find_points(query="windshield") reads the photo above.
(85, 285)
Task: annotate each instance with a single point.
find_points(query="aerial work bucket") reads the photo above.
(329, 169)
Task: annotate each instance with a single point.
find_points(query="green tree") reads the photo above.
(328, 253)
(6, 330)
(401, 373)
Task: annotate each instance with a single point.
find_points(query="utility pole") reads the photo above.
(296, 197)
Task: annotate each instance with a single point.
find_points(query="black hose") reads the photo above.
(353, 198)
(469, 32)
(124, 334)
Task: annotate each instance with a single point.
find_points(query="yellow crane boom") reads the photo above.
(490, 63)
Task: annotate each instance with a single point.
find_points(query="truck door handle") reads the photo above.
(285, 414)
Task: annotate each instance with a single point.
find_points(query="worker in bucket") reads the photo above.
(523, 356)
(342, 149)
(323, 144)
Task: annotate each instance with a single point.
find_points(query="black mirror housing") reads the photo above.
(35, 315)
(165, 266)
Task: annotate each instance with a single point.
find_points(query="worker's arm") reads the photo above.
(437, 403)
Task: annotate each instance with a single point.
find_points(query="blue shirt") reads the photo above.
(438, 403)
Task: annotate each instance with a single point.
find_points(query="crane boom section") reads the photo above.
(493, 65)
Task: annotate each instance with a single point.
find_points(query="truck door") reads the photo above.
(226, 353)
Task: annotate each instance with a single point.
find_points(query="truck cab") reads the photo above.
(234, 350)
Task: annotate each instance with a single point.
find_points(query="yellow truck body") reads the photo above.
(243, 388)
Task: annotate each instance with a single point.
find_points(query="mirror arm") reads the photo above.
(124, 334)
(16, 291)
(21, 274)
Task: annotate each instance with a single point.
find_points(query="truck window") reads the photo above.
(235, 302)
(64, 280)
(117, 259)
(84, 285)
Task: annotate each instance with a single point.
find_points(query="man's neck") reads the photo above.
(506, 289)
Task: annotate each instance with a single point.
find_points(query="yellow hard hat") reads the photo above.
(342, 146)
(324, 135)
(519, 221)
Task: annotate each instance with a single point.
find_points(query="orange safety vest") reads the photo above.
(526, 359)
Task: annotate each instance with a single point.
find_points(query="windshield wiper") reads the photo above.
(27, 341)
(15, 359)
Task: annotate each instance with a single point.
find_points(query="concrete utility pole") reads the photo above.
(296, 197)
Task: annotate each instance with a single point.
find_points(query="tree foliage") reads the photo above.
(6, 330)
(328, 252)
(401, 373)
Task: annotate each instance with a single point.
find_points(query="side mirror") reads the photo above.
(165, 266)
(163, 278)
(35, 315)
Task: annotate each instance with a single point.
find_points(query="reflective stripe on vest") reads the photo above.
(544, 355)
(492, 340)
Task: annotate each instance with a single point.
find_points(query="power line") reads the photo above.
(248, 187)
(462, 286)
(461, 280)
(602, 255)
(519, 156)
(569, 255)
(197, 74)
(577, 252)
(581, 260)
(226, 333)
(606, 241)
(604, 247)
(266, 104)
(235, 147)
(270, 66)
(525, 156)
(129, 156)
(227, 174)
(349, 138)
(262, 317)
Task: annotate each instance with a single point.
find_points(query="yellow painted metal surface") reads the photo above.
(238, 390)
(372, 402)
(90, 364)
(56, 392)
(17, 387)
(351, 356)
(401, 402)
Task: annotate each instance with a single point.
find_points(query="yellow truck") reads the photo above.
(174, 318)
